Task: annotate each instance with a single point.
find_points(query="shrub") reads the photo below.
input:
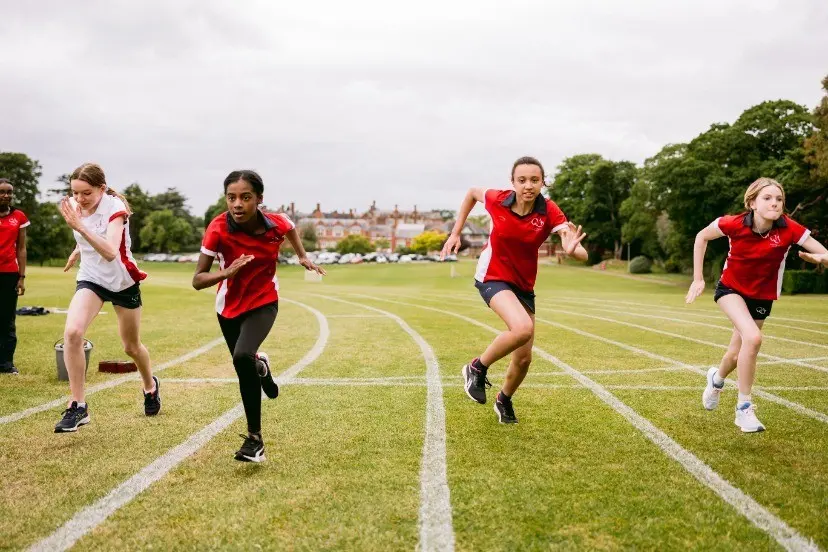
(641, 265)
(805, 281)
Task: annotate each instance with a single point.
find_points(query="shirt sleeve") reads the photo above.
(799, 234)
(727, 225)
(283, 223)
(210, 242)
(118, 209)
(22, 219)
(556, 217)
(490, 196)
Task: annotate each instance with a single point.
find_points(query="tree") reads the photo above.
(176, 202)
(381, 244)
(64, 187)
(695, 183)
(590, 190)
(810, 205)
(140, 203)
(48, 237)
(428, 241)
(24, 174)
(214, 210)
(307, 233)
(165, 232)
(354, 244)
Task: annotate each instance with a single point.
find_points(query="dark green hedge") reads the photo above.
(805, 281)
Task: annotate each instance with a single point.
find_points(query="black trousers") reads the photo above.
(244, 335)
(8, 306)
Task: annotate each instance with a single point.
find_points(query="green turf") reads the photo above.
(344, 459)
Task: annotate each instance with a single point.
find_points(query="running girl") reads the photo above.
(99, 218)
(522, 220)
(246, 241)
(13, 223)
(751, 281)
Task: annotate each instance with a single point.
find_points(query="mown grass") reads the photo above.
(344, 461)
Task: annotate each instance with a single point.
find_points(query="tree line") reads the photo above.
(658, 207)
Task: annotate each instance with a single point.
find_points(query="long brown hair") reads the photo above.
(93, 175)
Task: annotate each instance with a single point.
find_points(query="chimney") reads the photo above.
(292, 210)
(318, 212)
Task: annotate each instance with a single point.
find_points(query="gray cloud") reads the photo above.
(344, 103)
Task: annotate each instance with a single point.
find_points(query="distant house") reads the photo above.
(405, 233)
(475, 237)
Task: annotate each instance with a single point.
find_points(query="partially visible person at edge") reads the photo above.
(13, 223)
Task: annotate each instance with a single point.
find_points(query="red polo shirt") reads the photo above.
(512, 252)
(256, 284)
(10, 226)
(756, 262)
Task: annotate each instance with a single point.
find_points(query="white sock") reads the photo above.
(743, 399)
(718, 380)
(81, 405)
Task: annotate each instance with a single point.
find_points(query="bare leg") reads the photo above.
(129, 326)
(84, 307)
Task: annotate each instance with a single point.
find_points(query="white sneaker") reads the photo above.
(710, 397)
(746, 419)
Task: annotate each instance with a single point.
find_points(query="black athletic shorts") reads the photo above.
(130, 298)
(492, 287)
(759, 308)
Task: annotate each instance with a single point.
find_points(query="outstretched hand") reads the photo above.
(815, 258)
(311, 266)
(571, 237)
(236, 265)
(696, 289)
(70, 214)
(452, 245)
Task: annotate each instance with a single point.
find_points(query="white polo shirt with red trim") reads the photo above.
(256, 284)
(756, 262)
(122, 272)
(10, 226)
(512, 252)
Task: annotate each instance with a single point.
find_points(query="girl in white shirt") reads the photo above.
(99, 218)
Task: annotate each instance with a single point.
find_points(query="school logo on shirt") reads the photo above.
(538, 223)
(14, 222)
(775, 240)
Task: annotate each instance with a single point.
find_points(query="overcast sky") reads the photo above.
(403, 103)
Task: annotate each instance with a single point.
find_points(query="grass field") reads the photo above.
(373, 444)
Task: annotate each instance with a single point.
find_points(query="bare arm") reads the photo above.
(708, 233)
(816, 252)
(474, 195)
(203, 278)
(293, 237)
(73, 257)
(107, 247)
(21, 261)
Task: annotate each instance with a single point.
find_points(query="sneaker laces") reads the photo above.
(507, 406)
(480, 378)
(70, 412)
(249, 442)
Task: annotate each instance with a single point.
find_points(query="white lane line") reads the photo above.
(761, 392)
(686, 338)
(355, 316)
(704, 324)
(650, 305)
(90, 517)
(435, 516)
(770, 324)
(785, 535)
(61, 403)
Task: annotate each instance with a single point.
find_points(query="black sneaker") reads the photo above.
(504, 410)
(152, 401)
(251, 451)
(269, 386)
(73, 417)
(475, 383)
(9, 369)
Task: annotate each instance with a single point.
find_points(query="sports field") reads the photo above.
(373, 445)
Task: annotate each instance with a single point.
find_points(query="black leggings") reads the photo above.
(8, 306)
(244, 334)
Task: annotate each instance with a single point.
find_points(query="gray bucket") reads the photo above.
(62, 374)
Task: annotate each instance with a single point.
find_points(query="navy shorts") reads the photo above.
(130, 298)
(759, 308)
(491, 288)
